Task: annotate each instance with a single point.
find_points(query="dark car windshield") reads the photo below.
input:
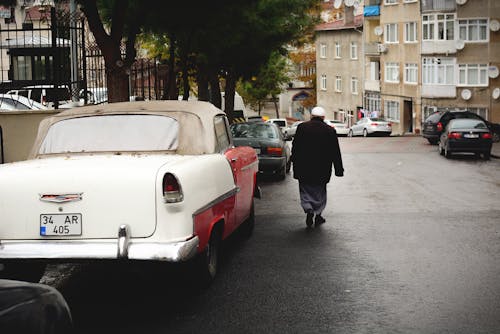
(434, 118)
(254, 130)
(465, 123)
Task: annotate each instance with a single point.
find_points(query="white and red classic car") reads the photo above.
(155, 181)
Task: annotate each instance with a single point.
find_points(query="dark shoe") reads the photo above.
(318, 220)
(309, 219)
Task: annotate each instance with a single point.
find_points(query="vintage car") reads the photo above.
(154, 181)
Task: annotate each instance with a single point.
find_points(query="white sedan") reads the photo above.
(339, 126)
(153, 181)
(371, 126)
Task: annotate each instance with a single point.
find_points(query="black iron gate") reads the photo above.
(46, 53)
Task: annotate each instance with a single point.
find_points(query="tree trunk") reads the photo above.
(171, 81)
(118, 84)
(215, 96)
(276, 107)
(229, 96)
(202, 80)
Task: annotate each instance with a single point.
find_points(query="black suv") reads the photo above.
(436, 122)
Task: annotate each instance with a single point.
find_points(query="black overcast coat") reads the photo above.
(315, 148)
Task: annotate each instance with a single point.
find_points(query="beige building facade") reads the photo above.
(339, 59)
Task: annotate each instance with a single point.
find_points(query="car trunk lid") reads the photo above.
(104, 191)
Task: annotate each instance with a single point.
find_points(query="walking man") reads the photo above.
(315, 148)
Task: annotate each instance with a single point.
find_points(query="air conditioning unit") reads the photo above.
(382, 48)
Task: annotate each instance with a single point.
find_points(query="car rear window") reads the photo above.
(112, 133)
(255, 130)
(464, 123)
(466, 115)
(280, 123)
(434, 118)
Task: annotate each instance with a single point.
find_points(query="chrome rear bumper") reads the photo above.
(121, 248)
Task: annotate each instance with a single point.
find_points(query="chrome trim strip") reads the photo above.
(98, 250)
(256, 162)
(219, 199)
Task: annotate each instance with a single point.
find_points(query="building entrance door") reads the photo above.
(408, 112)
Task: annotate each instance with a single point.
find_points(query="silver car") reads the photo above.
(371, 126)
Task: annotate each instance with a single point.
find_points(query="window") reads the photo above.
(323, 82)
(411, 32)
(427, 110)
(338, 50)
(391, 72)
(354, 50)
(392, 110)
(322, 50)
(473, 30)
(391, 33)
(483, 112)
(221, 133)
(473, 74)
(372, 102)
(438, 71)
(338, 83)
(438, 27)
(375, 70)
(354, 85)
(411, 73)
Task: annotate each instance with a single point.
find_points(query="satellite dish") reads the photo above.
(378, 30)
(466, 94)
(461, 2)
(459, 44)
(493, 72)
(494, 25)
(337, 4)
(349, 3)
(496, 93)
(356, 5)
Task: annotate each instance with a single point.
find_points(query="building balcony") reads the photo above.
(372, 85)
(439, 91)
(438, 47)
(439, 5)
(371, 11)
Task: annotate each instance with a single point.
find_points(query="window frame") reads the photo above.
(467, 26)
(387, 33)
(410, 67)
(432, 24)
(323, 82)
(391, 66)
(322, 50)
(338, 50)
(434, 67)
(354, 50)
(338, 83)
(415, 34)
(468, 67)
(354, 84)
(389, 112)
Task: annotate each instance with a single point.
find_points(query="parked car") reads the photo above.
(47, 95)
(255, 119)
(371, 126)
(463, 135)
(281, 123)
(340, 127)
(290, 132)
(269, 143)
(128, 181)
(435, 124)
(33, 308)
(19, 102)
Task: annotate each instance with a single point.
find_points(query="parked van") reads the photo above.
(240, 111)
(44, 94)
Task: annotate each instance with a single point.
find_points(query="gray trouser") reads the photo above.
(312, 197)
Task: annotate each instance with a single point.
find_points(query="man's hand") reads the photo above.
(339, 173)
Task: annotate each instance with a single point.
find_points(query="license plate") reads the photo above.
(257, 150)
(61, 224)
(471, 135)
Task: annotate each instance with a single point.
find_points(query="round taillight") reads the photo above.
(439, 126)
(172, 191)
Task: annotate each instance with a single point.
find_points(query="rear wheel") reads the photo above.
(289, 166)
(249, 224)
(365, 133)
(486, 155)
(447, 152)
(441, 151)
(282, 172)
(207, 262)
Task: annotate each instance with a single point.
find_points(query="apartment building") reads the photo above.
(339, 59)
(460, 56)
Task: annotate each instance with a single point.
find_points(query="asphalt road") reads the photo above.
(411, 245)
